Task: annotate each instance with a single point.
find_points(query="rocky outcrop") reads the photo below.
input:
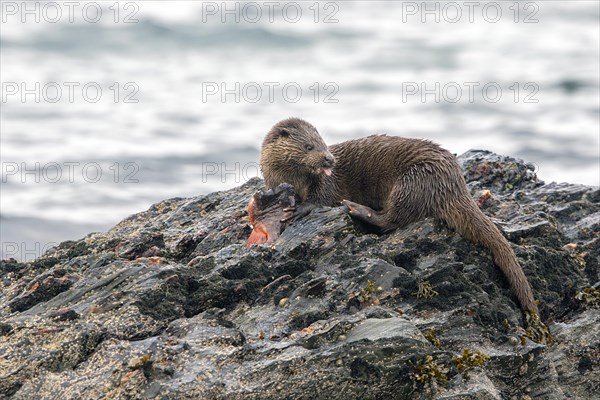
(170, 304)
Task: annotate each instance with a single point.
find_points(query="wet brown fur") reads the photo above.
(394, 180)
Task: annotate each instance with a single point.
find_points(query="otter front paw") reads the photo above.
(358, 210)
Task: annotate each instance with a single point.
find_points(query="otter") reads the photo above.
(387, 182)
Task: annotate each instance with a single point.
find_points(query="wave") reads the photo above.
(153, 36)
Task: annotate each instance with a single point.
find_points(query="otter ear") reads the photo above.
(284, 133)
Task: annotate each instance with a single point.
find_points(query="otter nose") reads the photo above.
(329, 160)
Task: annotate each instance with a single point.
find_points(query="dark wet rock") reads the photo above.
(42, 289)
(170, 304)
(64, 315)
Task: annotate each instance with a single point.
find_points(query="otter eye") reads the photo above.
(309, 147)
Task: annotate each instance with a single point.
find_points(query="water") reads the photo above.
(93, 163)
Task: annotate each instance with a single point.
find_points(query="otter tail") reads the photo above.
(468, 220)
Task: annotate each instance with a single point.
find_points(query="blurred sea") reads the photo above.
(101, 161)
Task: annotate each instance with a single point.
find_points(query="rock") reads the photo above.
(389, 328)
(170, 304)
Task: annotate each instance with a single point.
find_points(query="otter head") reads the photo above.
(294, 152)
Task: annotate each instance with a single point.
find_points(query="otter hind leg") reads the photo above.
(414, 196)
(366, 214)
